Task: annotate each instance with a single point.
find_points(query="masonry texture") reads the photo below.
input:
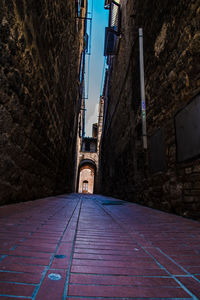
(171, 54)
(39, 64)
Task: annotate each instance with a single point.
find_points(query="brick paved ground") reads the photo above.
(82, 247)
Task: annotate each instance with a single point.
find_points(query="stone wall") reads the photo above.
(40, 46)
(171, 54)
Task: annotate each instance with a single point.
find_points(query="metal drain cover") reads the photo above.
(60, 256)
(54, 276)
(112, 203)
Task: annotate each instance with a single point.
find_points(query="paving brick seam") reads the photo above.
(188, 273)
(183, 287)
(41, 224)
(19, 283)
(99, 259)
(11, 296)
(127, 298)
(124, 285)
(124, 275)
(103, 253)
(5, 271)
(51, 260)
(65, 293)
(95, 220)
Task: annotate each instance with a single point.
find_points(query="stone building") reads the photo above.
(87, 166)
(41, 60)
(166, 173)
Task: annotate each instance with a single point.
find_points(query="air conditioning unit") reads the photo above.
(111, 40)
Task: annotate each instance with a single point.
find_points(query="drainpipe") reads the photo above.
(142, 91)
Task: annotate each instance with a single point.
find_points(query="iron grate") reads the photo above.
(113, 203)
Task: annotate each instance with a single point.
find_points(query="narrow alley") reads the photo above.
(99, 149)
(93, 247)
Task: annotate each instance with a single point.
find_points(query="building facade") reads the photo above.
(41, 46)
(87, 169)
(166, 173)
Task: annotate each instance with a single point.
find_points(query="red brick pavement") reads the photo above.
(85, 247)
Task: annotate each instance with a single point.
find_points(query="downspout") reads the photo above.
(142, 91)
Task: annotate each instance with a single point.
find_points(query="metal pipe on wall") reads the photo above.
(142, 90)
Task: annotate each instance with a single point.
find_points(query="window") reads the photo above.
(157, 151)
(85, 186)
(93, 147)
(86, 38)
(81, 71)
(87, 146)
(110, 47)
(187, 128)
(79, 5)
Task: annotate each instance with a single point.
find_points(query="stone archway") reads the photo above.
(86, 176)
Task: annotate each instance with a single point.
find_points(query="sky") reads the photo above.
(99, 22)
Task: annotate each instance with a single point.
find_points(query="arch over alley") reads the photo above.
(86, 176)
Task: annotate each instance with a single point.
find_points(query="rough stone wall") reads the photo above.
(171, 53)
(39, 65)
